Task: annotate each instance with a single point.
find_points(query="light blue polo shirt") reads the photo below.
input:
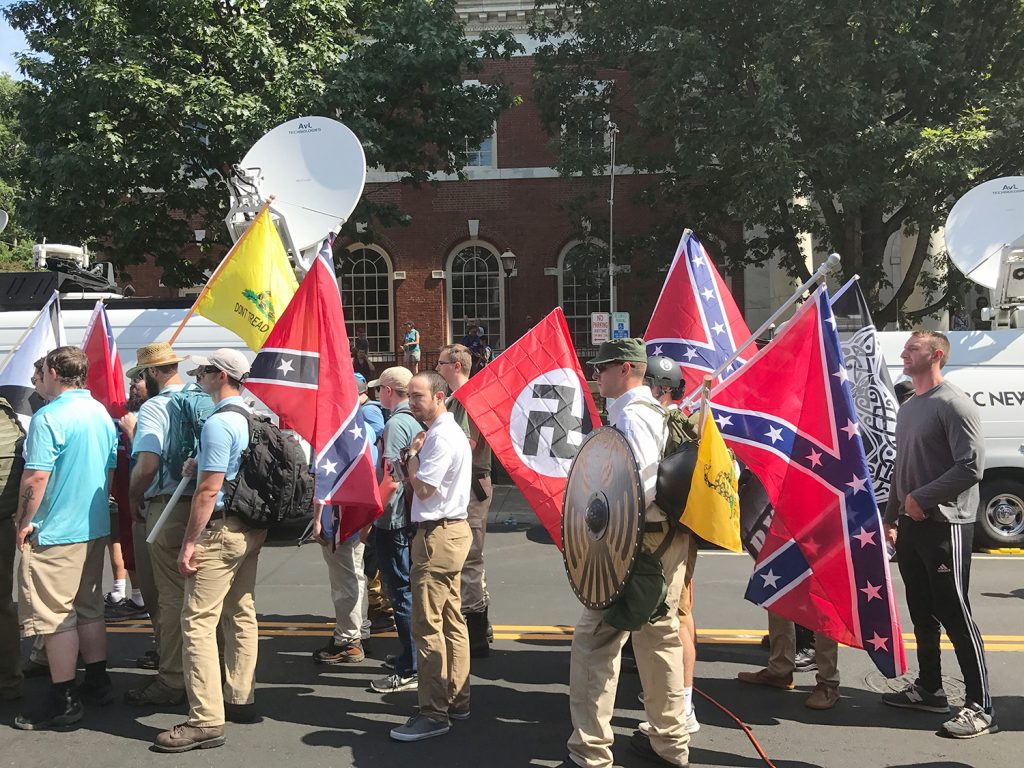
(74, 439)
(225, 436)
(151, 431)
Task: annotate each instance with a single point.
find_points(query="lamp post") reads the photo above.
(508, 265)
(612, 131)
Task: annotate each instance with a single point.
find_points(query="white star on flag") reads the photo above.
(724, 420)
(690, 353)
(831, 320)
(880, 643)
(815, 458)
(770, 579)
(851, 429)
(774, 434)
(718, 328)
(356, 432)
(699, 261)
(865, 537)
(871, 591)
(842, 374)
(329, 467)
(707, 293)
(857, 484)
(285, 367)
(657, 350)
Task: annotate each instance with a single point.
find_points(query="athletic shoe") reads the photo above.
(805, 660)
(916, 697)
(971, 721)
(764, 677)
(692, 726)
(155, 693)
(148, 660)
(394, 683)
(59, 709)
(640, 743)
(390, 661)
(97, 694)
(332, 653)
(185, 737)
(125, 610)
(420, 727)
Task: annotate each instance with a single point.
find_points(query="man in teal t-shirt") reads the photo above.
(62, 525)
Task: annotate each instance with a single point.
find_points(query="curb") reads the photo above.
(1004, 551)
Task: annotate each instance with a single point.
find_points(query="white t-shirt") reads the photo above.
(446, 463)
(644, 430)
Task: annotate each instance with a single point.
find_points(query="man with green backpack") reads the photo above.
(166, 434)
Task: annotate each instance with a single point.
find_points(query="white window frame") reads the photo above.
(352, 248)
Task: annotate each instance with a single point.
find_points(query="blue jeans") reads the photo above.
(393, 561)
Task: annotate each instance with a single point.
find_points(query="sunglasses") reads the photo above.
(211, 369)
(602, 367)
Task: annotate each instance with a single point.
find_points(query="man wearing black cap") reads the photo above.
(619, 369)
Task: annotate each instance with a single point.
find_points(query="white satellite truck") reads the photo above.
(985, 238)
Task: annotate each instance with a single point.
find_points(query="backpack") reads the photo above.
(274, 485)
(187, 411)
(678, 461)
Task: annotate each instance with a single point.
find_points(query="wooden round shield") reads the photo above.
(602, 518)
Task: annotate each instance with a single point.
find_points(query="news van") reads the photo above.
(989, 367)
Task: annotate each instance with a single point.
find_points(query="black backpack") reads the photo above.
(274, 485)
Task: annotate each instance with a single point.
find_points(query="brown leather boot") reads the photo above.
(823, 697)
(764, 677)
(185, 737)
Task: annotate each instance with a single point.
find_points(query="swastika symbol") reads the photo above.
(562, 422)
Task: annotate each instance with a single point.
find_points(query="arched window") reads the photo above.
(583, 286)
(475, 292)
(364, 279)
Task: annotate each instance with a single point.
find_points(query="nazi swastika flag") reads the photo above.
(533, 406)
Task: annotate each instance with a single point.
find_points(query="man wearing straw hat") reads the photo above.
(152, 484)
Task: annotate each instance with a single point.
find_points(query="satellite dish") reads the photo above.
(316, 169)
(982, 223)
(4, 218)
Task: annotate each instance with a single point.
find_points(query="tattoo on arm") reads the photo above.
(27, 497)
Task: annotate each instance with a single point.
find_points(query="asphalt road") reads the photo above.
(315, 715)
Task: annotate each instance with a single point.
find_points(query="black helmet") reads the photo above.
(664, 372)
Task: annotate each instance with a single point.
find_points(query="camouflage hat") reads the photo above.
(621, 350)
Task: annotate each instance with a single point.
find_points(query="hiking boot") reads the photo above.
(822, 697)
(332, 653)
(916, 697)
(764, 677)
(124, 610)
(154, 693)
(969, 722)
(382, 622)
(244, 714)
(148, 660)
(805, 660)
(640, 743)
(185, 737)
(98, 693)
(394, 683)
(420, 727)
(59, 709)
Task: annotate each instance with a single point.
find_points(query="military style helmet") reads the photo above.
(664, 372)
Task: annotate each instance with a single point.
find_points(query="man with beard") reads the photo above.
(153, 481)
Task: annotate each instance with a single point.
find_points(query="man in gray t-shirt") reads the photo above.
(930, 518)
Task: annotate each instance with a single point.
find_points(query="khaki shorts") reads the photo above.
(686, 596)
(60, 586)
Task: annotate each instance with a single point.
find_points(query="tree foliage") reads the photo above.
(851, 120)
(15, 242)
(135, 112)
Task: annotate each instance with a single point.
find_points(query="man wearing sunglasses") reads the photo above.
(619, 369)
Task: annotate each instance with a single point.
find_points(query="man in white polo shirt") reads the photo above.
(439, 468)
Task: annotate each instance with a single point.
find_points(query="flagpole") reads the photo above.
(24, 335)
(220, 267)
(844, 289)
(705, 401)
(818, 276)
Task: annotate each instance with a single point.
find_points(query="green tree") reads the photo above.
(15, 242)
(848, 119)
(135, 112)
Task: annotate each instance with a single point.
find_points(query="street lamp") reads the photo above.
(508, 264)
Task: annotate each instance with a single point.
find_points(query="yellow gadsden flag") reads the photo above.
(252, 286)
(713, 506)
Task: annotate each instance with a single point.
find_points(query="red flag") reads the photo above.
(788, 414)
(533, 406)
(696, 321)
(105, 379)
(105, 382)
(304, 374)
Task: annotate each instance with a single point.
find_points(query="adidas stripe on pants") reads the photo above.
(935, 563)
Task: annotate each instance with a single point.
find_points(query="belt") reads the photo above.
(218, 514)
(429, 525)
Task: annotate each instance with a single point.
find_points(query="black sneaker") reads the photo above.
(125, 610)
(60, 709)
(244, 714)
(916, 697)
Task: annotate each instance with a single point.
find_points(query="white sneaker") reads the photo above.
(971, 721)
(692, 726)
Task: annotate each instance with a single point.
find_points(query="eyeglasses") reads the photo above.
(211, 369)
(602, 367)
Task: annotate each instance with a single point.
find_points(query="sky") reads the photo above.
(10, 41)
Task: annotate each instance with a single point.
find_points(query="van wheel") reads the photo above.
(1000, 514)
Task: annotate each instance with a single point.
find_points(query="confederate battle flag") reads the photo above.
(304, 374)
(789, 416)
(533, 406)
(696, 321)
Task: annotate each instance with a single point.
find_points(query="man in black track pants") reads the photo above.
(939, 461)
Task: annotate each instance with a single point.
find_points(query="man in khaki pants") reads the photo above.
(149, 491)
(218, 559)
(439, 467)
(596, 646)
